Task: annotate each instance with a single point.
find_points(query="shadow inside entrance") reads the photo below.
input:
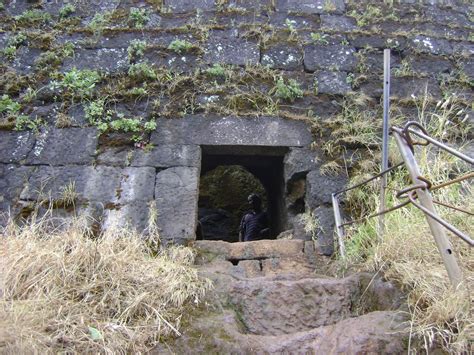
(228, 175)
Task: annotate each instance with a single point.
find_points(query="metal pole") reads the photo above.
(339, 228)
(439, 234)
(386, 108)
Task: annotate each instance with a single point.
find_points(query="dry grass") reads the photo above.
(65, 292)
(407, 254)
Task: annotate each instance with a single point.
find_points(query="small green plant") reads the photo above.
(371, 14)
(126, 124)
(67, 50)
(150, 126)
(2, 6)
(404, 69)
(138, 91)
(23, 122)
(66, 10)
(98, 114)
(12, 45)
(319, 37)
(79, 83)
(99, 22)
(287, 91)
(142, 71)
(10, 52)
(29, 95)
(8, 106)
(33, 17)
(138, 17)
(17, 40)
(291, 26)
(180, 46)
(329, 6)
(216, 71)
(136, 49)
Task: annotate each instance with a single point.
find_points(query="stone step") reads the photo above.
(379, 332)
(273, 307)
(257, 250)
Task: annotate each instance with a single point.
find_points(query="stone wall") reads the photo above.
(117, 97)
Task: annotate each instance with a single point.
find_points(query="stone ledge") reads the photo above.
(200, 130)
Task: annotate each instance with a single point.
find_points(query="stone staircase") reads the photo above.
(278, 297)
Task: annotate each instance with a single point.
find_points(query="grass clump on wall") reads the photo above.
(66, 292)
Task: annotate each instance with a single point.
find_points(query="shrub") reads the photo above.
(8, 106)
(80, 83)
(142, 71)
(136, 49)
(32, 17)
(180, 46)
(138, 17)
(287, 91)
(216, 71)
(66, 10)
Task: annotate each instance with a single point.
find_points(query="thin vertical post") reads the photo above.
(439, 234)
(338, 225)
(386, 108)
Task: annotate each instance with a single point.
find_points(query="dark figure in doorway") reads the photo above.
(254, 224)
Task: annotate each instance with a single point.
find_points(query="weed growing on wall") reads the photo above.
(180, 46)
(77, 83)
(67, 10)
(289, 90)
(138, 17)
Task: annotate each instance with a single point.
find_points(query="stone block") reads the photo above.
(136, 184)
(430, 65)
(107, 60)
(338, 23)
(311, 6)
(248, 268)
(283, 56)
(182, 6)
(132, 216)
(184, 62)
(91, 184)
(299, 161)
(325, 233)
(64, 146)
(12, 181)
(334, 56)
(24, 62)
(320, 187)
(224, 47)
(334, 83)
(249, 5)
(167, 155)
(176, 196)
(407, 87)
(15, 146)
(425, 44)
(464, 49)
(261, 131)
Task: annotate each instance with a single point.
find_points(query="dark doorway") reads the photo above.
(265, 164)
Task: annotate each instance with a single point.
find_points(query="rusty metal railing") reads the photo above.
(421, 191)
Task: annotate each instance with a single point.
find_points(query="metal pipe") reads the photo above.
(442, 146)
(439, 234)
(386, 108)
(338, 225)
